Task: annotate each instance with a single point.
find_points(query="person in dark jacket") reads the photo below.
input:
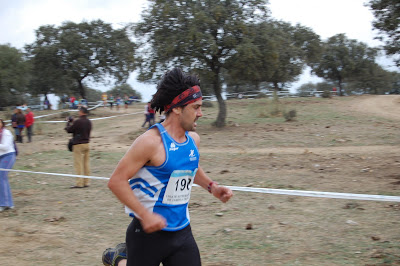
(81, 129)
(20, 119)
(14, 123)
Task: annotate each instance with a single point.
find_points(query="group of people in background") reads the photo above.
(20, 119)
(72, 102)
(110, 100)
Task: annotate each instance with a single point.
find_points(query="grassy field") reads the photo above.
(329, 147)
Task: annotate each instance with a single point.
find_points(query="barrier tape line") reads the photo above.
(91, 119)
(70, 110)
(56, 174)
(100, 104)
(302, 193)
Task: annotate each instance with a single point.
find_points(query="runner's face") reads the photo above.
(190, 114)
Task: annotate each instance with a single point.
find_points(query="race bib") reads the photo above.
(179, 187)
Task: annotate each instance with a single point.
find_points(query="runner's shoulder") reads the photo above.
(195, 137)
(149, 139)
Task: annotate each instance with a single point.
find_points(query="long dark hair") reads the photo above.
(173, 83)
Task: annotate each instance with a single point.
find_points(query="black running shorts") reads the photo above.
(176, 248)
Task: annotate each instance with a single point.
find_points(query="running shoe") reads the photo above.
(111, 255)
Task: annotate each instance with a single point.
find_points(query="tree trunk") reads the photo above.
(276, 87)
(81, 89)
(220, 122)
(340, 87)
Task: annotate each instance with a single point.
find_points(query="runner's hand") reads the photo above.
(153, 222)
(222, 193)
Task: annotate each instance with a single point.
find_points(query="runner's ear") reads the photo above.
(177, 110)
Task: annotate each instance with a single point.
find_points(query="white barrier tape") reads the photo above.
(100, 118)
(94, 107)
(302, 193)
(56, 174)
(70, 110)
(92, 119)
(318, 194)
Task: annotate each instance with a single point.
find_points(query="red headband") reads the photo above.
(188, 96)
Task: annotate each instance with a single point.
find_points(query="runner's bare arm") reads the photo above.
(201, 179)
(137, 156)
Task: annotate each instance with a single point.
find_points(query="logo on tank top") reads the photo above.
(192, 156)
(173, 147)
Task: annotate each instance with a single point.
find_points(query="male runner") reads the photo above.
(155, 177)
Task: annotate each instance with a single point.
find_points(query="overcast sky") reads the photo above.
(20, 18)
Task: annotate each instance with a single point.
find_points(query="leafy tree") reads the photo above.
(306, 89)
(93, 95)
(254, 60)
(387, 22)
(343, 59)
(124, 89)
(325, 86)
(374, 79)
(85, 50)
(47, 72)
(296, 47)
(14, 75)
(274, 52)
(199, 35)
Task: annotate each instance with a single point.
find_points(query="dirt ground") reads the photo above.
(343, 144)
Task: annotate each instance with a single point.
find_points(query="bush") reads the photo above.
(290, 116)
(207, 104)
(64, 115)
(261, 95)
(326, 94)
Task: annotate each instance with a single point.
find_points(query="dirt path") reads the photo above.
(387, 106)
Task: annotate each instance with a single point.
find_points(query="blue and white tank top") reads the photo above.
(165, 189)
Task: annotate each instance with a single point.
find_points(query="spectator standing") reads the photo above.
(118, 103)
(7, 160)
(126, 102)
(76, 104)
(104, 99)
(63, 101)
(111, 101)
(29, 120)
(72, 102)
(146, 115)
(20, 124)
(151, 115)
(46, 104)
(14, 123)
(84, 102)
(81, 129)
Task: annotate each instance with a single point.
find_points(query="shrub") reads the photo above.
(64, 115)
(261, 95)
(326, 94)
(207, 104)
(290, 116)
